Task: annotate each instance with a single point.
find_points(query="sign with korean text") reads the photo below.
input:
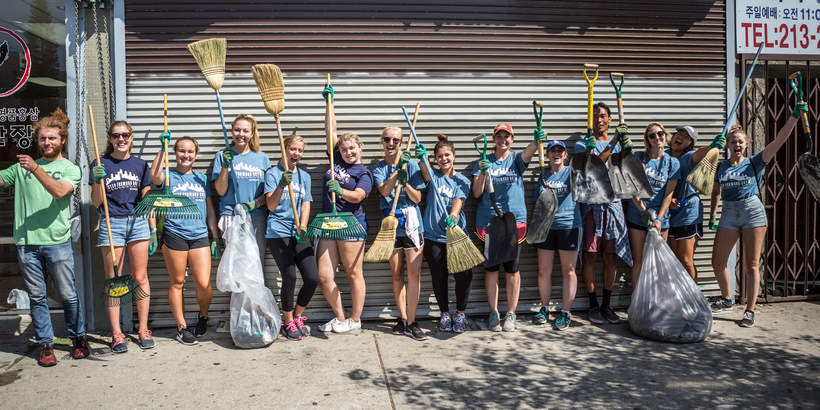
(784, 26)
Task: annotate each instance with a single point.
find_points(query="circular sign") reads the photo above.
(26, 72)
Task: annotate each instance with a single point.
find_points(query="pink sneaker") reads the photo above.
(300, 323)
(291, 330)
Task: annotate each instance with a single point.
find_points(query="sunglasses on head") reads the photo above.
(659, 134)
(117, 135)
(388, 140)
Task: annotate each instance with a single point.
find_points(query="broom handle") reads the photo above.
(742, 88)
(330, 118)
(285, 164)
(397, 190)
(102, 187)
(227, 144)
(165, 143)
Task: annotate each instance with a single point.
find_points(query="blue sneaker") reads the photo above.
(494, 322)
(541, 317)
(446, 323)
(563, 321)
(459, 323)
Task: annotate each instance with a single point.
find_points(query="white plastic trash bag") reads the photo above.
(255, 317)
(19, 298)
(666, 303)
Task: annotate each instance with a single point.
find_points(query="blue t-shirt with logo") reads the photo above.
(442, 191)
(195, 186)
(249, 172)
(659, 172)
(124, 182)
(350, 177)
(692, 211)
(508, 182)
(568, 213)
(740, 181)
(381, 172)
(600, 146)
(280, 220)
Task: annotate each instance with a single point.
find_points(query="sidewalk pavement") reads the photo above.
(774, 364)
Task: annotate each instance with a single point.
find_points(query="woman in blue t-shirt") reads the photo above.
(397, 167)
(506, 168)
(737, 183)
(286, 241)
(351, 183)
(663, 172)
(563, 237)
(185, 240)
(127, 180)
(247, 185)
(446, 192)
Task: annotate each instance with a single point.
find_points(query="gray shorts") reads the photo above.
(743, 214)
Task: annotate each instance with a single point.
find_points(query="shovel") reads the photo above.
(807, 164)
(626, 172)
(589, 178)
(501, 237)
(544, 209)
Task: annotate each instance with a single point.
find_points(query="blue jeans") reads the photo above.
(124, 230)
(59, 259)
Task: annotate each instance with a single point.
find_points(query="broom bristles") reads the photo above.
(268, 78)
(462, 254)
(382, 247)
(702, 176)
(210, 56)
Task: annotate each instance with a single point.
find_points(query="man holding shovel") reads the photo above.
(604, 228)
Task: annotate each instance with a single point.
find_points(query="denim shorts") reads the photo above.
(743, 214)
(124, 230)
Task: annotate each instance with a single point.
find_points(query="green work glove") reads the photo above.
(152, 242)
(99, 172)
(165, 138)
(333, 186)
(328, 91)
(800, 108)
(622, 136)
(402, 176)
(421, 152)
(483, 165)
(227, 158)
(719, 142)
(451, 220)
(647, 217)
(249, 206)
(301, 234)
(713, 222)
(215, 248)
(405, 157)
(286, 179)
(590, 142)
(539, 135)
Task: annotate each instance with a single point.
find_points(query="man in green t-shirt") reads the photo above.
(42, 197)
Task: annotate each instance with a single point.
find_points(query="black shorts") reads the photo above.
(176, 243)
(509, 267)
(686, 231)
(560, 240)
(404, 242)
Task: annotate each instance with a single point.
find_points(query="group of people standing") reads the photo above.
(243, 175)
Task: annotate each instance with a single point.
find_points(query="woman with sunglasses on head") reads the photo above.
(185, 240)
(663, 172)
(737, 181)
(506, 168)
(247, 185)
(127, 180)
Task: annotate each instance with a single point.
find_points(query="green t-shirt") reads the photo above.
(39, 218)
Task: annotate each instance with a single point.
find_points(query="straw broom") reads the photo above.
(382, 247)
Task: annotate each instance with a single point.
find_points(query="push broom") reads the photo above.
(165, 204)
(703, 174)
(333, 225)
(382, 247)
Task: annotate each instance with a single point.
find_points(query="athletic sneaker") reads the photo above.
(509, 322)
(401, 327)
(303, 328)
(291, 331)
(185, 337)
(459, 323)
(748, 319)
(146, 341)
(201, 326)
(46, 357)
(118, 344)
(610, 315)
(493, 322)
(79, 348)
(346, 326)
(562, 322)
(351, 325)
(328, 327)
(722, 306)
(541, 317)
(595, 316)
(446, 323)
(414, 331)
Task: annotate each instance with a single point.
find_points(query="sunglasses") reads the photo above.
(659, 134)
(117, 135)
(388, 140)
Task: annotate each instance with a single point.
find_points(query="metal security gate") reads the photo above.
(791, 254)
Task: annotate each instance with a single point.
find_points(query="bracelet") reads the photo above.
(659, 219)
(153, 230)
(282, 187)
(612, 147)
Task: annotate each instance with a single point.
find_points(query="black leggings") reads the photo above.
(436, 255)
(288, 255)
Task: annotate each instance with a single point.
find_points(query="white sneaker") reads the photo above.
(329, 326)
(341, 327)
(355, 325)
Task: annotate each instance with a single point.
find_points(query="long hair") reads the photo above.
(444, 142)
(109, 148)
(254, 142)
(646, 131)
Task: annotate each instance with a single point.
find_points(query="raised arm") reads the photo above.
(779, 140)
(157, 176)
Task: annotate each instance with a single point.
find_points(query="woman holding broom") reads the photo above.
(506, 168)
(407, 248)
(447, 190)
(737, 183)
(247, 185)
(285, 239)
(127, 179)
(185, 240)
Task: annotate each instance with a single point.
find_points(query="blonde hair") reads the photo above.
(254, 142)
(57, 120)
(292, 139)
(648, 127)
(735, 129)
(386, 129)
(348, 136)
(110, 147)
(186, 138)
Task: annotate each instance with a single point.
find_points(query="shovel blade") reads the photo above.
(628, 177)
(542, 215)
(501, 240)
(809, 167)
(589, 180)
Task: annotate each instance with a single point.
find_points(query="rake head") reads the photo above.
(168, 206)
(337, 226)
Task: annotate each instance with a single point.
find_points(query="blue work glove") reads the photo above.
(215, 246)
(249, 206)
(227, 158)
(713, 222)
(451, 220)
(800, 108)
(286, 179)
(328, 91)
(420, 152)
(539, 135)
(99, 172)
(165, 138)
(719, 142)
(483, 166)
(402, 176)
(333, 186)
(590, 142)
(152, 242)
